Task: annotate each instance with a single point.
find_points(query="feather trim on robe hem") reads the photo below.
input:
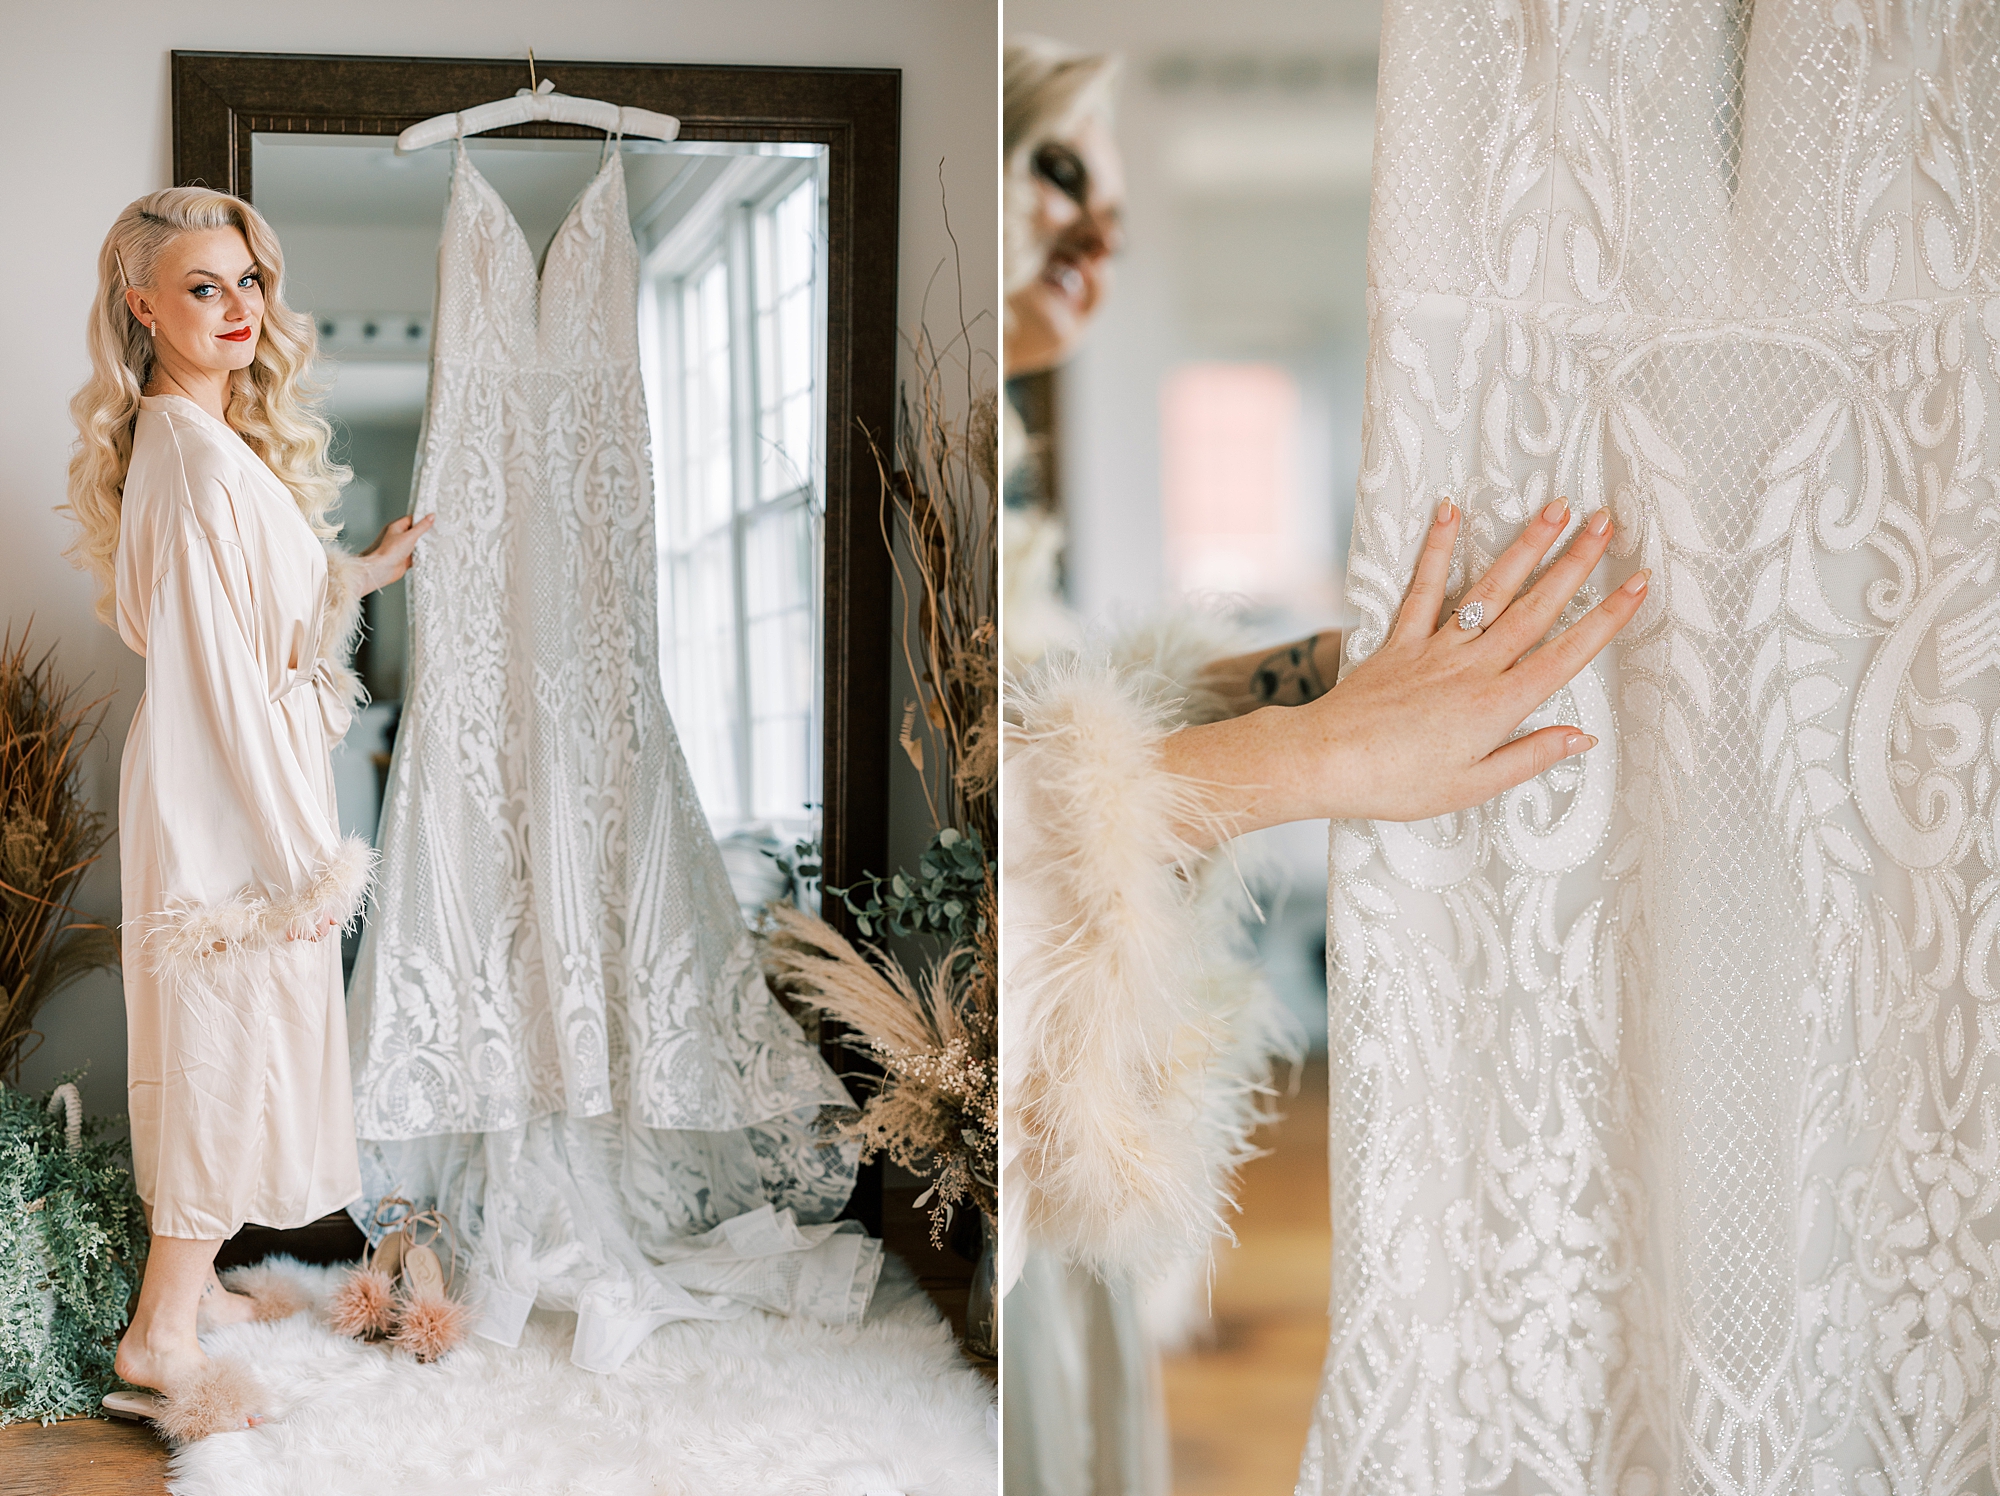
(1137, 1036)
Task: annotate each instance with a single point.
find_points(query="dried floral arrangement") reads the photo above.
(49, 837)
(933, 1032)
(72, 1243)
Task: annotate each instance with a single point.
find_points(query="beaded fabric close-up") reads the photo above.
(1665, 1086)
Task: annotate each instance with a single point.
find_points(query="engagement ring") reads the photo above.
(1471, 616)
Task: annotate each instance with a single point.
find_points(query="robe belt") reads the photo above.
(334, 712)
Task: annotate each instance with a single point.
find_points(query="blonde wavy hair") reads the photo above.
(273, 404)
(1049, 91)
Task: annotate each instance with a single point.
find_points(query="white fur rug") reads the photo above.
(761, 1406)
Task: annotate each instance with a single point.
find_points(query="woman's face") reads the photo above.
(206, 302)
(1078, 224)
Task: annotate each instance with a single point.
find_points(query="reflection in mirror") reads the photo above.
(732, 330)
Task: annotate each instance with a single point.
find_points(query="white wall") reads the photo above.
(84, 111)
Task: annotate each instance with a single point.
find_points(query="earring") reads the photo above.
(152, 329)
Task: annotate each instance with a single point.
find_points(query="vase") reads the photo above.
(982, 1308)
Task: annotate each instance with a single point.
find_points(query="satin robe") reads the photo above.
(229, 843)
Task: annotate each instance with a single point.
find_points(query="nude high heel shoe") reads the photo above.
(402, 1293)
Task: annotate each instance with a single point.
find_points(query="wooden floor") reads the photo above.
(94, 1457)
(1238, 1407)
(83, 1457)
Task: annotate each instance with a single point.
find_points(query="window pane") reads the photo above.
(706, 467)
(794, 217)
(1229, 474)
(779, 612)
(781, 750)
(787, 360)
(778, 562)
(701, 690)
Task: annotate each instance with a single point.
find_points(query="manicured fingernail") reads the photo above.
(1554, 510)
(1638, 581)
(1578, 742)
(1600, 522)
(1446, 513)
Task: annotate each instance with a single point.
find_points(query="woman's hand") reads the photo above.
(391, 554)
(1424, 725)
(326, 922)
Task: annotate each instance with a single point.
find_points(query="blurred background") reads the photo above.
(1207, 440)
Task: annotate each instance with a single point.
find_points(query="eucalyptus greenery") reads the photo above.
(943, 898)
(801, 867)
(72, 1243)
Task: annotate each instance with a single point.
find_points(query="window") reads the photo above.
(734, 361)
(1230, 433)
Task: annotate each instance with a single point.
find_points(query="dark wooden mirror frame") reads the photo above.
(222, 99)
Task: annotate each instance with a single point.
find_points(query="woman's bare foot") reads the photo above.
(167, 1369)
(161, 1349)
(220, 1307)
(145, 1364)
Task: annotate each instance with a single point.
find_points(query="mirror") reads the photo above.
(733, 311)
(235, 115)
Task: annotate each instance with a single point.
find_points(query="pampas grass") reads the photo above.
(933, 1033)
(49, 837)
(936, 1106)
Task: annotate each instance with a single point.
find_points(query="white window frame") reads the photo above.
(725, 224)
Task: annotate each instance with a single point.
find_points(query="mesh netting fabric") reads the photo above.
(1666, 1088)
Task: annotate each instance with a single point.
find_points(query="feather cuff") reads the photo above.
(1136, 1036)
(340, 625)
(186, 938)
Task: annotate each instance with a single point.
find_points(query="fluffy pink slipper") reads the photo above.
(429, 1321)
(220, 1398)
(275, 1295)
(429, 1325)
(363, 1306)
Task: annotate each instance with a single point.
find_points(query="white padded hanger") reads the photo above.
(539, 103)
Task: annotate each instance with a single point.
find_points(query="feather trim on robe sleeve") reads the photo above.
(188, 938)
(1137, 1036)
(340, 627)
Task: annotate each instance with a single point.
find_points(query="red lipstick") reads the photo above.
(237, 336)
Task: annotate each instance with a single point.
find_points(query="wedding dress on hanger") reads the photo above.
(561, 1032)
(1666, 1087)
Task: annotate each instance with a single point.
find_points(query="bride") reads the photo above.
(200, 487)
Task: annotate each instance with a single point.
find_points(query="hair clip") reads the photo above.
(121, 269)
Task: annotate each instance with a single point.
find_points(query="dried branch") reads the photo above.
(934, 1035)
(49, 837)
